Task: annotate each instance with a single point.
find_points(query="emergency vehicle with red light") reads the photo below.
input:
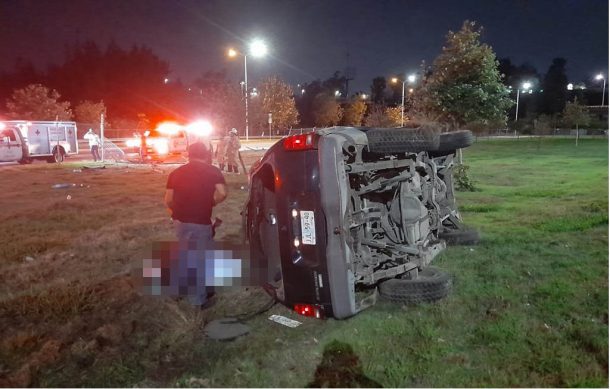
(170, 139)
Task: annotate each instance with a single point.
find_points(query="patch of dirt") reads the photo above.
(341, 368)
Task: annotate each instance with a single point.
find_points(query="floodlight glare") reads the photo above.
(258, 48)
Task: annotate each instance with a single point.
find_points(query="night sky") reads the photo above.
(309, 39)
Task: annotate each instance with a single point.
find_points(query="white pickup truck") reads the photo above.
(24, 141)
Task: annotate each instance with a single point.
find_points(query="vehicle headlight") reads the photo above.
(162, 146)
(132, 143)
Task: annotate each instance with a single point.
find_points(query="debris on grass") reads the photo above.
(66, 186)
(226, 329)
(285, 321)
(61, 186)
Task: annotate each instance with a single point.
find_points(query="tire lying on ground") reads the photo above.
(430, 285)
(398, 140)
(464, 237)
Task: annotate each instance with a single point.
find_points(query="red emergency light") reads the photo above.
(300, 142)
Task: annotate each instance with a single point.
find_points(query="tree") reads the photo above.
(23, 74)
(219, 101)
(275, 97)
(576, 114)
(394, 116)
(464, 86)
(381, 117)
(353, 113)
(37, 102)
(309, 91)
(554, 91)
(130, 81)
(89, 112)
(378, 90)
(326, 110)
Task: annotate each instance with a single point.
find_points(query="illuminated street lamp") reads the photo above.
(410, 79)
(257, 49)
(601, 77)
(526, 86)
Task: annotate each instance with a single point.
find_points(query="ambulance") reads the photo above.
(25, 141)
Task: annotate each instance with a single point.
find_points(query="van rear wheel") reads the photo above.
(57, 157)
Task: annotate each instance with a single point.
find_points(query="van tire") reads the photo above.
(460, 237)
(25, 161)
(58, 155)
(400, 140)
(431, 284)
(449, 142)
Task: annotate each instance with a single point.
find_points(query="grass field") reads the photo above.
(529, 307)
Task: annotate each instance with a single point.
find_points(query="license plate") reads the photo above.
(308, 228)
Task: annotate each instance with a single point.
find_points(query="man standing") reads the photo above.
(233, 146)
(94, 144)
(192, 191)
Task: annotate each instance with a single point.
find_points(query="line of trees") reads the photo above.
(465, 87)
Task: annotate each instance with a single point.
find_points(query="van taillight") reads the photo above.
(300, 142)
(309, 310)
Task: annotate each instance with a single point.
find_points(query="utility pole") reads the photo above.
(102, 133)
(349, 74)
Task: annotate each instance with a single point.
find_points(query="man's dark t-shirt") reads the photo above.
(194, 185)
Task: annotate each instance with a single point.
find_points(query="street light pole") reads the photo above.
(246, 85)
(258, 49)
(517, 110)
(526, 85)
(601, 77)
(402, 109)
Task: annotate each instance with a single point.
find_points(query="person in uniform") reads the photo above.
(233, 146)
(221, 152)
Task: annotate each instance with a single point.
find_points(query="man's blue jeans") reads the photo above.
(193, 239)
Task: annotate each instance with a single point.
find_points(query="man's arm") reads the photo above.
(169, 198)
(220, 193)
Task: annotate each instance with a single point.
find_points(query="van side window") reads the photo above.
(7, 133)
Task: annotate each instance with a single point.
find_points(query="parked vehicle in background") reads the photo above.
(24, 141)
(342, 214)
(169, 139)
